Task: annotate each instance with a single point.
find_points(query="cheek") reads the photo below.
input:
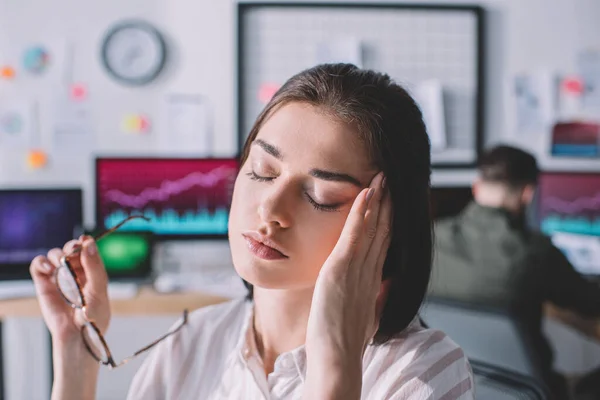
(242, 203)
(320, 235)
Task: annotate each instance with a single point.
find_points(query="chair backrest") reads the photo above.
(495, 383)
(486, 335)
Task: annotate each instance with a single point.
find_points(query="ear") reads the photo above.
(475, 187)
(527, 194)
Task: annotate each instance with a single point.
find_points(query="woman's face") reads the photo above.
(293, 195)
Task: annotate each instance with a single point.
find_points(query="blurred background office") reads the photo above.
(111, 108)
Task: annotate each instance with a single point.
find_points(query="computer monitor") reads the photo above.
(569, 212)
(449, 201)
(33, 221)
(182, 197)
(127, 255)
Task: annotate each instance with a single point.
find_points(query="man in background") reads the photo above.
(487, 255)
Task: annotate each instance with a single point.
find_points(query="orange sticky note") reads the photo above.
(7, 72)
(37, 159)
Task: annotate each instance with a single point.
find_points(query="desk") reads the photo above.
(590, 327)
(147, 302)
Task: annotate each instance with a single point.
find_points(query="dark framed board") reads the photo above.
(435, 51)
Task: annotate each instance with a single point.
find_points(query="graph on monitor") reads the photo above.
(181, 197)
(569, 212)
(570, 203)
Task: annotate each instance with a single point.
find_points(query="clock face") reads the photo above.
(134, 53)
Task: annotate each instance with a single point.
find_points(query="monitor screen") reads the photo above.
(569, 212)
(34, 221)
(449, 201)
(181, 197)
(127, 255)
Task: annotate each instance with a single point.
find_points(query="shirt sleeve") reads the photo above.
(568, 289)
(438, 370)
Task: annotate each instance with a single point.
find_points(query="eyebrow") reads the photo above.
(269, 148)
(315, 172)
(335, 177)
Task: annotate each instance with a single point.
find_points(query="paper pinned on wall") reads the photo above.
(188, 125)
(430, 98)
(346, 50)
(535, 99)
(588, 64)
(73, 124)
(16, 123)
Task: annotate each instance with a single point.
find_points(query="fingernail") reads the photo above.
(91, 249)
(383, 182)
(370, 194)
(46, 267)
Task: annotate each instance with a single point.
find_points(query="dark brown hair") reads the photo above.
(508, 165)
(391, 126)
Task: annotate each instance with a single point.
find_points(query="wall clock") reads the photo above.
(134, 52)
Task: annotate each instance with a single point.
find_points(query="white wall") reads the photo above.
(523, 36)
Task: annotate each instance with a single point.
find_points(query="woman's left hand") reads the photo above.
(345, 308)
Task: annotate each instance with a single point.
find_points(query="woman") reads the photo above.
(330, 230)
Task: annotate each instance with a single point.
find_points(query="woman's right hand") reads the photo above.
(63, 321)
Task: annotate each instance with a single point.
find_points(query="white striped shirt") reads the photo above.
(214, 357)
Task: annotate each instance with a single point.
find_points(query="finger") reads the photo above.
(69, 248)
(41, 268)
(381, 243)
(352, 233)
(93, 267)
(372, 215)
(54, 256)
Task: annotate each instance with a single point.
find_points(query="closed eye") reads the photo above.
(255, 177)
(317, 206)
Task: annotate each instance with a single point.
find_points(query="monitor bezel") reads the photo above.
(20, 271)
(158, 237)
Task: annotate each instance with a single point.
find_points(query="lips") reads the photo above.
(263, 247)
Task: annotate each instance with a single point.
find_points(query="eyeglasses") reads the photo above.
(71, 290)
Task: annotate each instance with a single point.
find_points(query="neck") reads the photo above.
(280, 321)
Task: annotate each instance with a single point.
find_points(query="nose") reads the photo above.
(275, 208)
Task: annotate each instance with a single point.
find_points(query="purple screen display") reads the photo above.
(33, 222)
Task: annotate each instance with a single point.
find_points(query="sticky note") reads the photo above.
(78, 92)
(573, 85)
(37, 159)
(133, 123)
(7, 72)
(267, 91)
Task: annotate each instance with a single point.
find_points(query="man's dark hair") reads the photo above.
(391, 126)
(508, 165)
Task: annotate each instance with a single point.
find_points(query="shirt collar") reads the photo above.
(292, 360)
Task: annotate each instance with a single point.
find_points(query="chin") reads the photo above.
(270, 274)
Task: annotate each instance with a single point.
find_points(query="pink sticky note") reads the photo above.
(267, 91)
(78, 92)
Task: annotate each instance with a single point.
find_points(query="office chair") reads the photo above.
(487, 335)
(496, 383)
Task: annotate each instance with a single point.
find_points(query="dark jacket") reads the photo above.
(485, 256)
